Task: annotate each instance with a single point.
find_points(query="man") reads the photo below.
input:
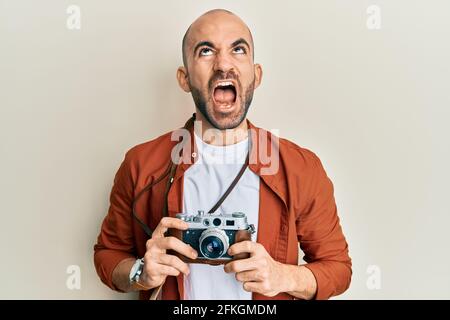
(293, 204)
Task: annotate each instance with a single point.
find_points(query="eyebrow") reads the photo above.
(203, 43)
(211, 45)
(240, 41)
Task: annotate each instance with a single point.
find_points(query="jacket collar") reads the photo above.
(261, 141)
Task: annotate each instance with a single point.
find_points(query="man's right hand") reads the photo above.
(157, 263)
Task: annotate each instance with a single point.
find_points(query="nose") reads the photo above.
(223, 63)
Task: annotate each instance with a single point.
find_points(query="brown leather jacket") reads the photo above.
(297, 205)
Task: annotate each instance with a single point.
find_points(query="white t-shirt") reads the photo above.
(204, 183)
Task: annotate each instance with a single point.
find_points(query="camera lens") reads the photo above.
(213, 243)
(213, 247)
(217, 222)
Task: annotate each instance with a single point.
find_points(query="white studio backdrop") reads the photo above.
(364, 84)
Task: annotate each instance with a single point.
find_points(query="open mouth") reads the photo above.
(224, 93)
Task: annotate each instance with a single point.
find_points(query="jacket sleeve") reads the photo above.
(321, 238)
(115, 241)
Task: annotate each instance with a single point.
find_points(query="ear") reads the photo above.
(182, 78)
(258, 75)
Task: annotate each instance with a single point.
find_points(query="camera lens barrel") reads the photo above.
(213, 243)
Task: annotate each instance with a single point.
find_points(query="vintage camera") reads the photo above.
(212, 235)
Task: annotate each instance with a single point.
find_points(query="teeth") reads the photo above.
(224, 84)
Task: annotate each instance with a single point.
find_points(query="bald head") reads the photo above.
(219, 69)
(210, 20)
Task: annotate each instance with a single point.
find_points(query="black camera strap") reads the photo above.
(232, 185)
(170, 173)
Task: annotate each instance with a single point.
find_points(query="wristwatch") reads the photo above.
(135, 273)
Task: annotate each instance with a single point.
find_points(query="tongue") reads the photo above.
(224, 95)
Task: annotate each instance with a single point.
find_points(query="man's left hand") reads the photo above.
(259, 273)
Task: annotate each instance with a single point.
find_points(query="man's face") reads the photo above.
(221, 74)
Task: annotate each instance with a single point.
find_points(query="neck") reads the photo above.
(217, 137)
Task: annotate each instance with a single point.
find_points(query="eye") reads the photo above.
(206, 52)
(239, 50)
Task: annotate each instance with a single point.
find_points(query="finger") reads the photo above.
(155, 273)
(164, 270)
(252, 286)
(243, 247)
(173, 261)
(241, 265)
(166, 223)
(261, 287)
(178, 246)
(252, 275)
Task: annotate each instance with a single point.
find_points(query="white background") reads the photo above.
(373, 104)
